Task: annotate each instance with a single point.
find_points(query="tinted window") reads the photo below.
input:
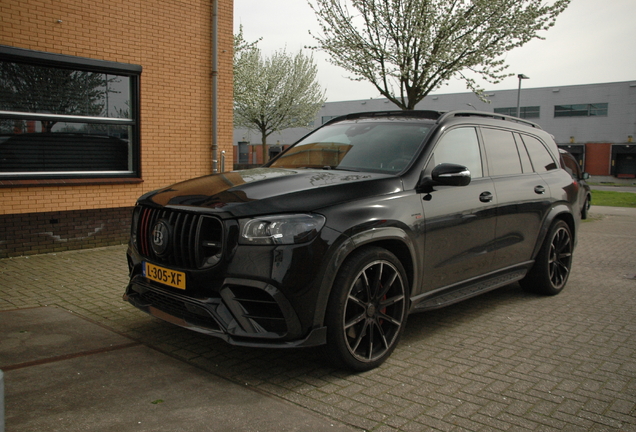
(523, 155)
(541, 159)
(581, 110)
(357, 145)
(460, 146)
(501, 149)
(571, 166)
(524, 112)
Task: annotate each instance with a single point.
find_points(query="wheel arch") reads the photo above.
(559, 212)
(393, 239)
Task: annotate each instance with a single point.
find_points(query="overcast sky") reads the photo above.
(592, 42)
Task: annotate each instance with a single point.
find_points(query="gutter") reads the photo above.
(215, 84)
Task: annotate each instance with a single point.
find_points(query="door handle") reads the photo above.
(540, 190)
(485, 197)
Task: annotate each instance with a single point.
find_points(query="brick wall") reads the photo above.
(171, 40)
(45, 232)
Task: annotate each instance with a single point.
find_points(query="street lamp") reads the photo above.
(521, 77)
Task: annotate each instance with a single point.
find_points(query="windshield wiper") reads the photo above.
(337, 168)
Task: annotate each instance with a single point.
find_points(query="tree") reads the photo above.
(276, 93)
(408, 48)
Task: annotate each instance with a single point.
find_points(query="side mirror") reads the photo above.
(445, 175)
(450, 175)
(586, 176)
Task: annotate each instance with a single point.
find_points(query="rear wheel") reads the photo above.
(586, 208)
(552, 267)
(367, 309)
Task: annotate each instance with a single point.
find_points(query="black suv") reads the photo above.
(366, 219)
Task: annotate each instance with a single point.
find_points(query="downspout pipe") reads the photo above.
(215, 84)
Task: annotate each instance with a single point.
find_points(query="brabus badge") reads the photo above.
(160, 238)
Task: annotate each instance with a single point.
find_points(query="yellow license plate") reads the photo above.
(165, 276)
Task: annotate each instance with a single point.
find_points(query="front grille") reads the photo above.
(194, 241)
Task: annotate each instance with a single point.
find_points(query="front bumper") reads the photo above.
(246, 313)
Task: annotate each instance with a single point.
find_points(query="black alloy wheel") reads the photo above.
(585, 209)
(552, 267)
(367, 309)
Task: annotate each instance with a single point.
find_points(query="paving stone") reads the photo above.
(507, 360)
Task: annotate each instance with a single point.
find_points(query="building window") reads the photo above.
(325, 119)
(524, 112)
(581, 110)
(67, 117)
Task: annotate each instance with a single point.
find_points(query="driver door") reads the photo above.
(460, 220)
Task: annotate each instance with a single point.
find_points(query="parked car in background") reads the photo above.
(367, 219)
(585, 193)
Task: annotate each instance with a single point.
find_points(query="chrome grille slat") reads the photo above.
(188, 239)
(187, 250)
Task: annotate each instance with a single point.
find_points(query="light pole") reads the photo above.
(521, 77)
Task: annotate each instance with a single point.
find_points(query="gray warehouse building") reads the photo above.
(594, 122)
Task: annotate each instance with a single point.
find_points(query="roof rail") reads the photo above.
(485, 114)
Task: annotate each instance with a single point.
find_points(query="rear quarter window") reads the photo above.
(541, 159)
(571, 166)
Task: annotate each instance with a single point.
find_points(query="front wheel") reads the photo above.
(552, 267)
(367, 309)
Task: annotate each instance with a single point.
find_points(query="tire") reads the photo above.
(367, 310)
(586, 207)
(552, 267)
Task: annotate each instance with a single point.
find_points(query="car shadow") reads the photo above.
(256, 366)
(423, 324)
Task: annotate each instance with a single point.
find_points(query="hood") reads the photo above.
(272, 190)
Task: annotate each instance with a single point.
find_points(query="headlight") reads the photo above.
(281, 229)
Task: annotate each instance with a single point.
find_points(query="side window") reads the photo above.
(540, 156)
(459, 146)
(523, 155)
(571, 166)
(501, 149)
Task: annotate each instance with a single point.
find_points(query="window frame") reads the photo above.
(432, 162)
(590, 109)
(556, 161)
(525, 112)
(61, 61)
(493, 156)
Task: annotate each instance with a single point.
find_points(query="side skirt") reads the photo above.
(455, 293)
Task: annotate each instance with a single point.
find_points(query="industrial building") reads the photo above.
(594, 122)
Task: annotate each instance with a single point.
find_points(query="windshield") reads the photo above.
(379, 146)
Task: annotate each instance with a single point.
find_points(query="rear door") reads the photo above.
(523, 196)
